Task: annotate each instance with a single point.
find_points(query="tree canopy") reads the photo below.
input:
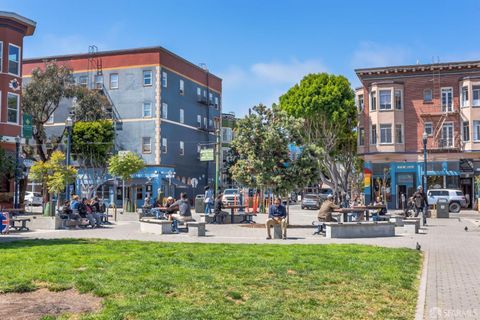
(326, 102)
(124, 166)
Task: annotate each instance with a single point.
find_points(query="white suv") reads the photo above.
(456, 198)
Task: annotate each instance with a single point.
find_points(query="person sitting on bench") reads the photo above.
(184, 211)
(325, 213)
(277, 214)
(161, 212)
(219, 215)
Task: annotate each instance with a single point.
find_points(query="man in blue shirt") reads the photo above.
(277, 214)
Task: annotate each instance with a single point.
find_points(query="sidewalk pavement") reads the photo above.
(453, 254)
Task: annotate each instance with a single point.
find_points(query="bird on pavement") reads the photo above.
(418, 246)
(466, 229)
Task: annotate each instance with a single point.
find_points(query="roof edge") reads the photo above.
(420, 66)
(30, 24)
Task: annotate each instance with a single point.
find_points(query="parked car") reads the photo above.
(310, 201)
(324, 192)
(33, 198)
(456, 198)
(229, 196)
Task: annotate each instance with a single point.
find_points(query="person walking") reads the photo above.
(421, 204)
(277, 214)
(208, 200)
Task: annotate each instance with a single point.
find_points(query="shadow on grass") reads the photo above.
(16, 242)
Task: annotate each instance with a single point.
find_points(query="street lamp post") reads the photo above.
(16, 198)
(217, 160)
(68, 125)
(424, 179)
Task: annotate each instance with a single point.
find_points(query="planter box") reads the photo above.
(45, 223)
(156, 226)
(360, 229)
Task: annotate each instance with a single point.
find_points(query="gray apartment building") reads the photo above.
(165, 108)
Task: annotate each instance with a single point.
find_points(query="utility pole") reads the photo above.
(68, 125)
(16, 200)
(217, 160)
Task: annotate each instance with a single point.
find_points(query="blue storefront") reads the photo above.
(393, 179)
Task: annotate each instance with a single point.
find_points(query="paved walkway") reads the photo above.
(453, 254)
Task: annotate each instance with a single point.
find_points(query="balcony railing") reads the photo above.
(453, 144)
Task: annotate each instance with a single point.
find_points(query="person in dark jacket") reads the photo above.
(85, 211)
(421, 204)
(219, 215)
(277, 214)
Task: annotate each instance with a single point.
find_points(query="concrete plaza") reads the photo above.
(449, 288)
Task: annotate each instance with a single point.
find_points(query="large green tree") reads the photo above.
(92, 144)
(326, 103)
(263, 140)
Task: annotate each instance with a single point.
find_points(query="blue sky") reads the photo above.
(261, 48)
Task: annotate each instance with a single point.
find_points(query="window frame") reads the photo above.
(164, 79)
(182, 87)
(96, 77)
(431, 128)
(373, 134)
(446, 89)
(149, 144)
(17, 109)
(380, 100)
(143, 110)
(182, 148)
(83, 84)
(476, 133)
(217, 103)
(463, 94)
(361, 136)
(467, 126)
(164, 145)
(401, 140)
(164, 110)
(1, 56)
(475, 102)
(431, 95)
(19, 60)
(112, 75)
(205, 122)
(385, 129)
(145, 73)
(373, 101)
(182, 116)
(400, 95)
(361, 102)
(199, 120)
(449, 124)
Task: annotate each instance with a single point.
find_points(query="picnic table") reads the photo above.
(14, 223)
(232, 208)
(360, 209)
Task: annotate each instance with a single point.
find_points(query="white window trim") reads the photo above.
(149, 144)
(379, 100)
(441, 99)
(182, 116)
(359, 135)
(19, 60)
(464, 103)
(1, 56)
(463, 130)
(182, 148)
(182, 87)
(18, 107)
(143, 110)
(371, 135)
(164, 148)
(403, 133)
(473, 124)
(371, 101)
(151, 78)
(391, 133)
(453, 132)
(431, 95)
(477, 104)
(199, 120)
(431, 125)
(401, 99)
(164, 110)
(110, 80)
(164, 79)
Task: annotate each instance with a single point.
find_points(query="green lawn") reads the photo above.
(145, 280)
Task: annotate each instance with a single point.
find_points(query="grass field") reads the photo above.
(145, 280)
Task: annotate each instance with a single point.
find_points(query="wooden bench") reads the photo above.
(359, 229)
(14, 223)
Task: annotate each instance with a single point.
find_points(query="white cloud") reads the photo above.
(277, 72)
(371, 54)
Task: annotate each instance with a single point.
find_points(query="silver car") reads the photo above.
(456, 198)
(310, 201)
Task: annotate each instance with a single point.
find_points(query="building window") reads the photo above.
(14, 59)
(398, 133)
(210, 98)
(114, 81)
(398, 99)
(99, 81)
(199, 120)
(182, 148)
(427, 95)
(164, 145)
(1, 56)
(447, 100)
(476, 96)
(385, 100)
(147, 109)
(199, 92)
(205, 123)
(147, 78)
(385, 133)
(51, 119)
(146, 145)
(227, 135)
(182, 87)
(361, 136)
(164, 79)
(464, 98)
(164, 110)
(12, 107)
(83, 81)
(466, 131)
(447, 135)
(373, 101)
(428, 128)
(476, 130)
(182, 116)
(360, 102)
(217, 104)
(199, 147)
(373, 134)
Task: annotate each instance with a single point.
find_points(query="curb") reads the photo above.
(422, 290)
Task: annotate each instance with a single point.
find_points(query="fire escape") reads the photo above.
(444, 116)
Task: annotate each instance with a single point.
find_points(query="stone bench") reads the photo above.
(156, 226)
(196, 229)
(359, 229)
(237, 217)
(398, 220)
(411, 226)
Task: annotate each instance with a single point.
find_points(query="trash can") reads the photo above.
(199, 205)
(442, 208)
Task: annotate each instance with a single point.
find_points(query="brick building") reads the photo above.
(13, 28)
(397, 105)
(165, 109)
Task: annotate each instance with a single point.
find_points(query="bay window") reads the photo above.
(385, 133)
(385, 100)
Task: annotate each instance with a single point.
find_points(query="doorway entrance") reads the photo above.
(405, 188)
(466, 185)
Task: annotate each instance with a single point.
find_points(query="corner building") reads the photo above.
(397, 105)
(165, 109)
